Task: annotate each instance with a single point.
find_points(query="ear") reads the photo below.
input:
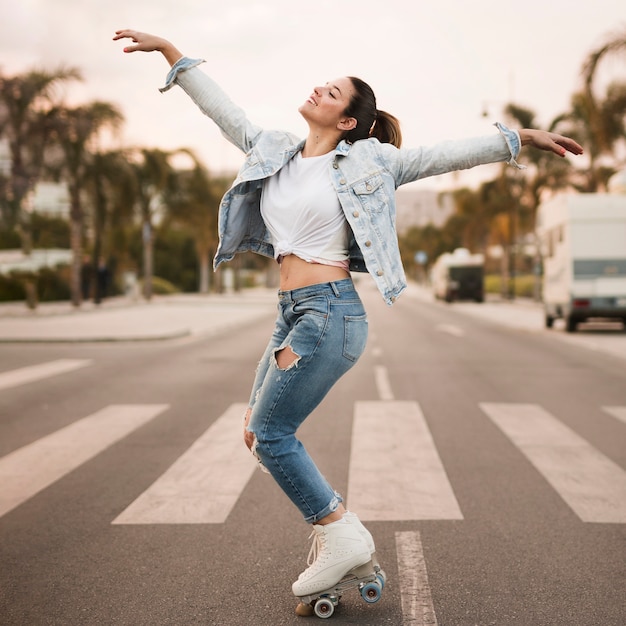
(347, 123)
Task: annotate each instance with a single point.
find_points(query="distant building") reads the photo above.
(16, 260)
(420, 207)
(51, 199)
(5, 158)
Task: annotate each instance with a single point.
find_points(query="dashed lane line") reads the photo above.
(415, 596)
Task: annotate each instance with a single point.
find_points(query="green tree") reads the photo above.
(26, 101)
(25, 104)
(597, 117)
(193, 203)
(152, 171)
(544, 175)
(110, 184)
(75, 130)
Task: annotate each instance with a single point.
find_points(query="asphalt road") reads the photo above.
(512, 438)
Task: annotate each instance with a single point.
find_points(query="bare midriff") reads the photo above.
(296, 273)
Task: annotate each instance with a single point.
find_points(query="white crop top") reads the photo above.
(300, 208)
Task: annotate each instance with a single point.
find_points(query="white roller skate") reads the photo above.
(341, 558)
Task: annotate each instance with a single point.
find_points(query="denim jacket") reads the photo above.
(365, 175)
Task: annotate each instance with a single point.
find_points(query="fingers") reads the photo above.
(570, 145)
(123, 33)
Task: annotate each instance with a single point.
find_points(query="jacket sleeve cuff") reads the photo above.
(513, 142)
(184, 63)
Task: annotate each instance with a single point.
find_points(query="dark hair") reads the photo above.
(370, 121)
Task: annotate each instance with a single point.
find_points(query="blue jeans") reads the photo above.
(326, 327)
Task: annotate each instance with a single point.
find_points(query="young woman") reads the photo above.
(323, 207)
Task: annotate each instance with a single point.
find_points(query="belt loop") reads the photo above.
(335, 289)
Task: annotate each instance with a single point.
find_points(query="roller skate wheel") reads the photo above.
(324, 608)
(381, 577)
(371, 592)
(304, 610)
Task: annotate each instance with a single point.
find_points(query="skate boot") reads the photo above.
(355, 521)
(337, 549)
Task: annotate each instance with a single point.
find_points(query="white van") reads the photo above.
(458, 275)
(583, 244)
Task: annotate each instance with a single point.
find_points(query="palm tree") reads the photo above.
(25, 104)
(544, 175)
(602, 119)
(75, 128)
(111, 186)
(193, 203)
(152, 173)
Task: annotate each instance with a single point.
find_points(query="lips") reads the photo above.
(311, 100)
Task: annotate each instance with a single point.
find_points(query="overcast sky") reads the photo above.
(434, 64)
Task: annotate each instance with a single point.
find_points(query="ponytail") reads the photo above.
(386, 129)
(370, 121)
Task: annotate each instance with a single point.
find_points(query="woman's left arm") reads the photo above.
(551, 142)
(408, 165)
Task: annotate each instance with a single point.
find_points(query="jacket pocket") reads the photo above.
(371, 193)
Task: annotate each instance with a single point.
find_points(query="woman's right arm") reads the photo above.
(203, 90)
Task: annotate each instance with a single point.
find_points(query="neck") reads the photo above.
(317, 144)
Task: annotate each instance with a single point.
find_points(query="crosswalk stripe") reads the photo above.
(395, 471)
(415, 596)
(618, 412)
(589, 482)
(383, 385)
(203, 485)
(32, 373)
(28, 470)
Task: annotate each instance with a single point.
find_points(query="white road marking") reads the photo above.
(415, 596)
(395, 471)
(31, 373)
(28, 470)
(589, 482)
(450, 329)
(203, 485)
(383, 385)
(618, 412)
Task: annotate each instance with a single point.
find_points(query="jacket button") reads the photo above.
(342, 181)
(379, 273)
(368, 243)
(335, 165)
(368, 187)
(355, 214)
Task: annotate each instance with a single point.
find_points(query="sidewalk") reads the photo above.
(182, 315)
(124, 319)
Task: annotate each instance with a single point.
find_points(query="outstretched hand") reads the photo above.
(145, 42)
(551, 142)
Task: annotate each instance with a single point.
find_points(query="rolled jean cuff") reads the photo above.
(333, 505)
(184, 63)
(513, 142)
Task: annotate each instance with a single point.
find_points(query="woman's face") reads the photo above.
(326, 105)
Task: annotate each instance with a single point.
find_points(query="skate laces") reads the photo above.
(316, 547)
